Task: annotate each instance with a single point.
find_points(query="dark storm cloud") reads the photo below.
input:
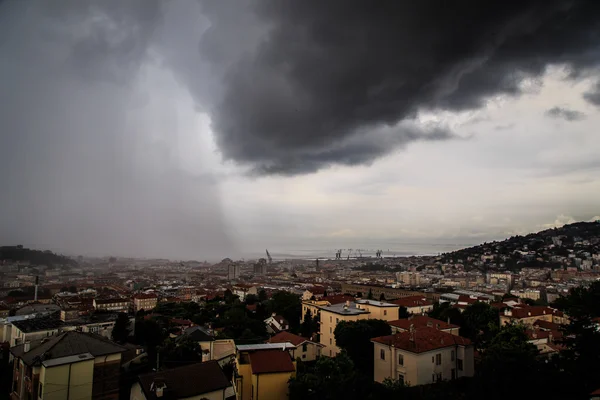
(565, 113)
(88, 160)
(593, 96)
(325, 70)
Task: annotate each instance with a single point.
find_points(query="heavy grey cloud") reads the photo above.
(593, 96)
(88, 160)
(325, 71)
(565, 113)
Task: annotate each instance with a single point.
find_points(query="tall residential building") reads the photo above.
(351, 311)
(260, 268)
(422, 356)
(72, 365)
(233, 271)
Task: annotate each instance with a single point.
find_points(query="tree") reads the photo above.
(382, 297)
(289, 306)
(480, 323)
(510, 354)
(251, 299)
(444, 312)
(120, 331)
(308, 326)
(182, 350)
(355, 338)
(403, 312)
(324, 293)
(331, 378)
(262, 295)
(370, 295)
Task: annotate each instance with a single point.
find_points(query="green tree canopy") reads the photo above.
(480, 323)
(355, 338)
(120, 332)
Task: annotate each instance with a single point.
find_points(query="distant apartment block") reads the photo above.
(113, 304)
(144, 301)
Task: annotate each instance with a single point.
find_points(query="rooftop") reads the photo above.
(64, 345)
(412, 301)
(265, 346)
(188, 381)
(342, 309)
(287, 337)
(421, 321)
(376, 303)
(271, 361)
(199, 334)
(423, 340)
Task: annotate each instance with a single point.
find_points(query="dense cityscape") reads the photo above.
(160, 321)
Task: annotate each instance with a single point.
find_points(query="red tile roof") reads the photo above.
(145, 296)
(534, 311)
(271, 361)
(421, 321)
(337, 299)
(546, 325)
(284, 336)
(412, 301)
(425, 339)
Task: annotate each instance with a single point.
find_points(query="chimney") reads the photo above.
(26, 346)
(37, 281)
(411, 331)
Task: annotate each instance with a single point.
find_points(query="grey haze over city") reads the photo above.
(211, 129)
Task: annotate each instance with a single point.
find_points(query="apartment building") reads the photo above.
(528, 315)
(113, 304)
(351, 311)
(422, 321)
(144, 301)
(205, 380)
(72, 365)
(422, 356)
(263, 372)
(388, 292)
(306, 349)
(415, 304)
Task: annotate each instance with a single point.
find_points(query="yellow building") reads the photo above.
(144, 301)
(72, 365)
(204, 380)
(527, 315)
(262, 372)
(422, 356)
(351, 311)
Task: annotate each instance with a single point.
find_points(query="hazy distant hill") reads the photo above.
(34, 257)
(581, 238)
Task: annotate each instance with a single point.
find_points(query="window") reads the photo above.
(337, 320)
(452, 355)
(304, 356)
(330, 318)
(438, 377)
(401, 379)
(304, 346)
(384, 312)
(432, 377)
(438, 359)
(400, 359)
(382, 354)
(330, 341)
(330, 330)
(453, 373)
(459, 364)
(41, 390)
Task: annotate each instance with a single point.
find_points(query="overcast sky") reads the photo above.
(206, 129)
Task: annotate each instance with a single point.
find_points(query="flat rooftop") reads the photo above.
(342, 309)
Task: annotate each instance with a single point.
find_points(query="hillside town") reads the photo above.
(108, 328)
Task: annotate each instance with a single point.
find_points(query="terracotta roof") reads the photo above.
(421, 321)
(546, 325)
(271, 361)
(425, 339)
(337, 299)
(534, 311)
(412, 301)
(145, 296)
(66, 344)
(283, 337)
(183, 382)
